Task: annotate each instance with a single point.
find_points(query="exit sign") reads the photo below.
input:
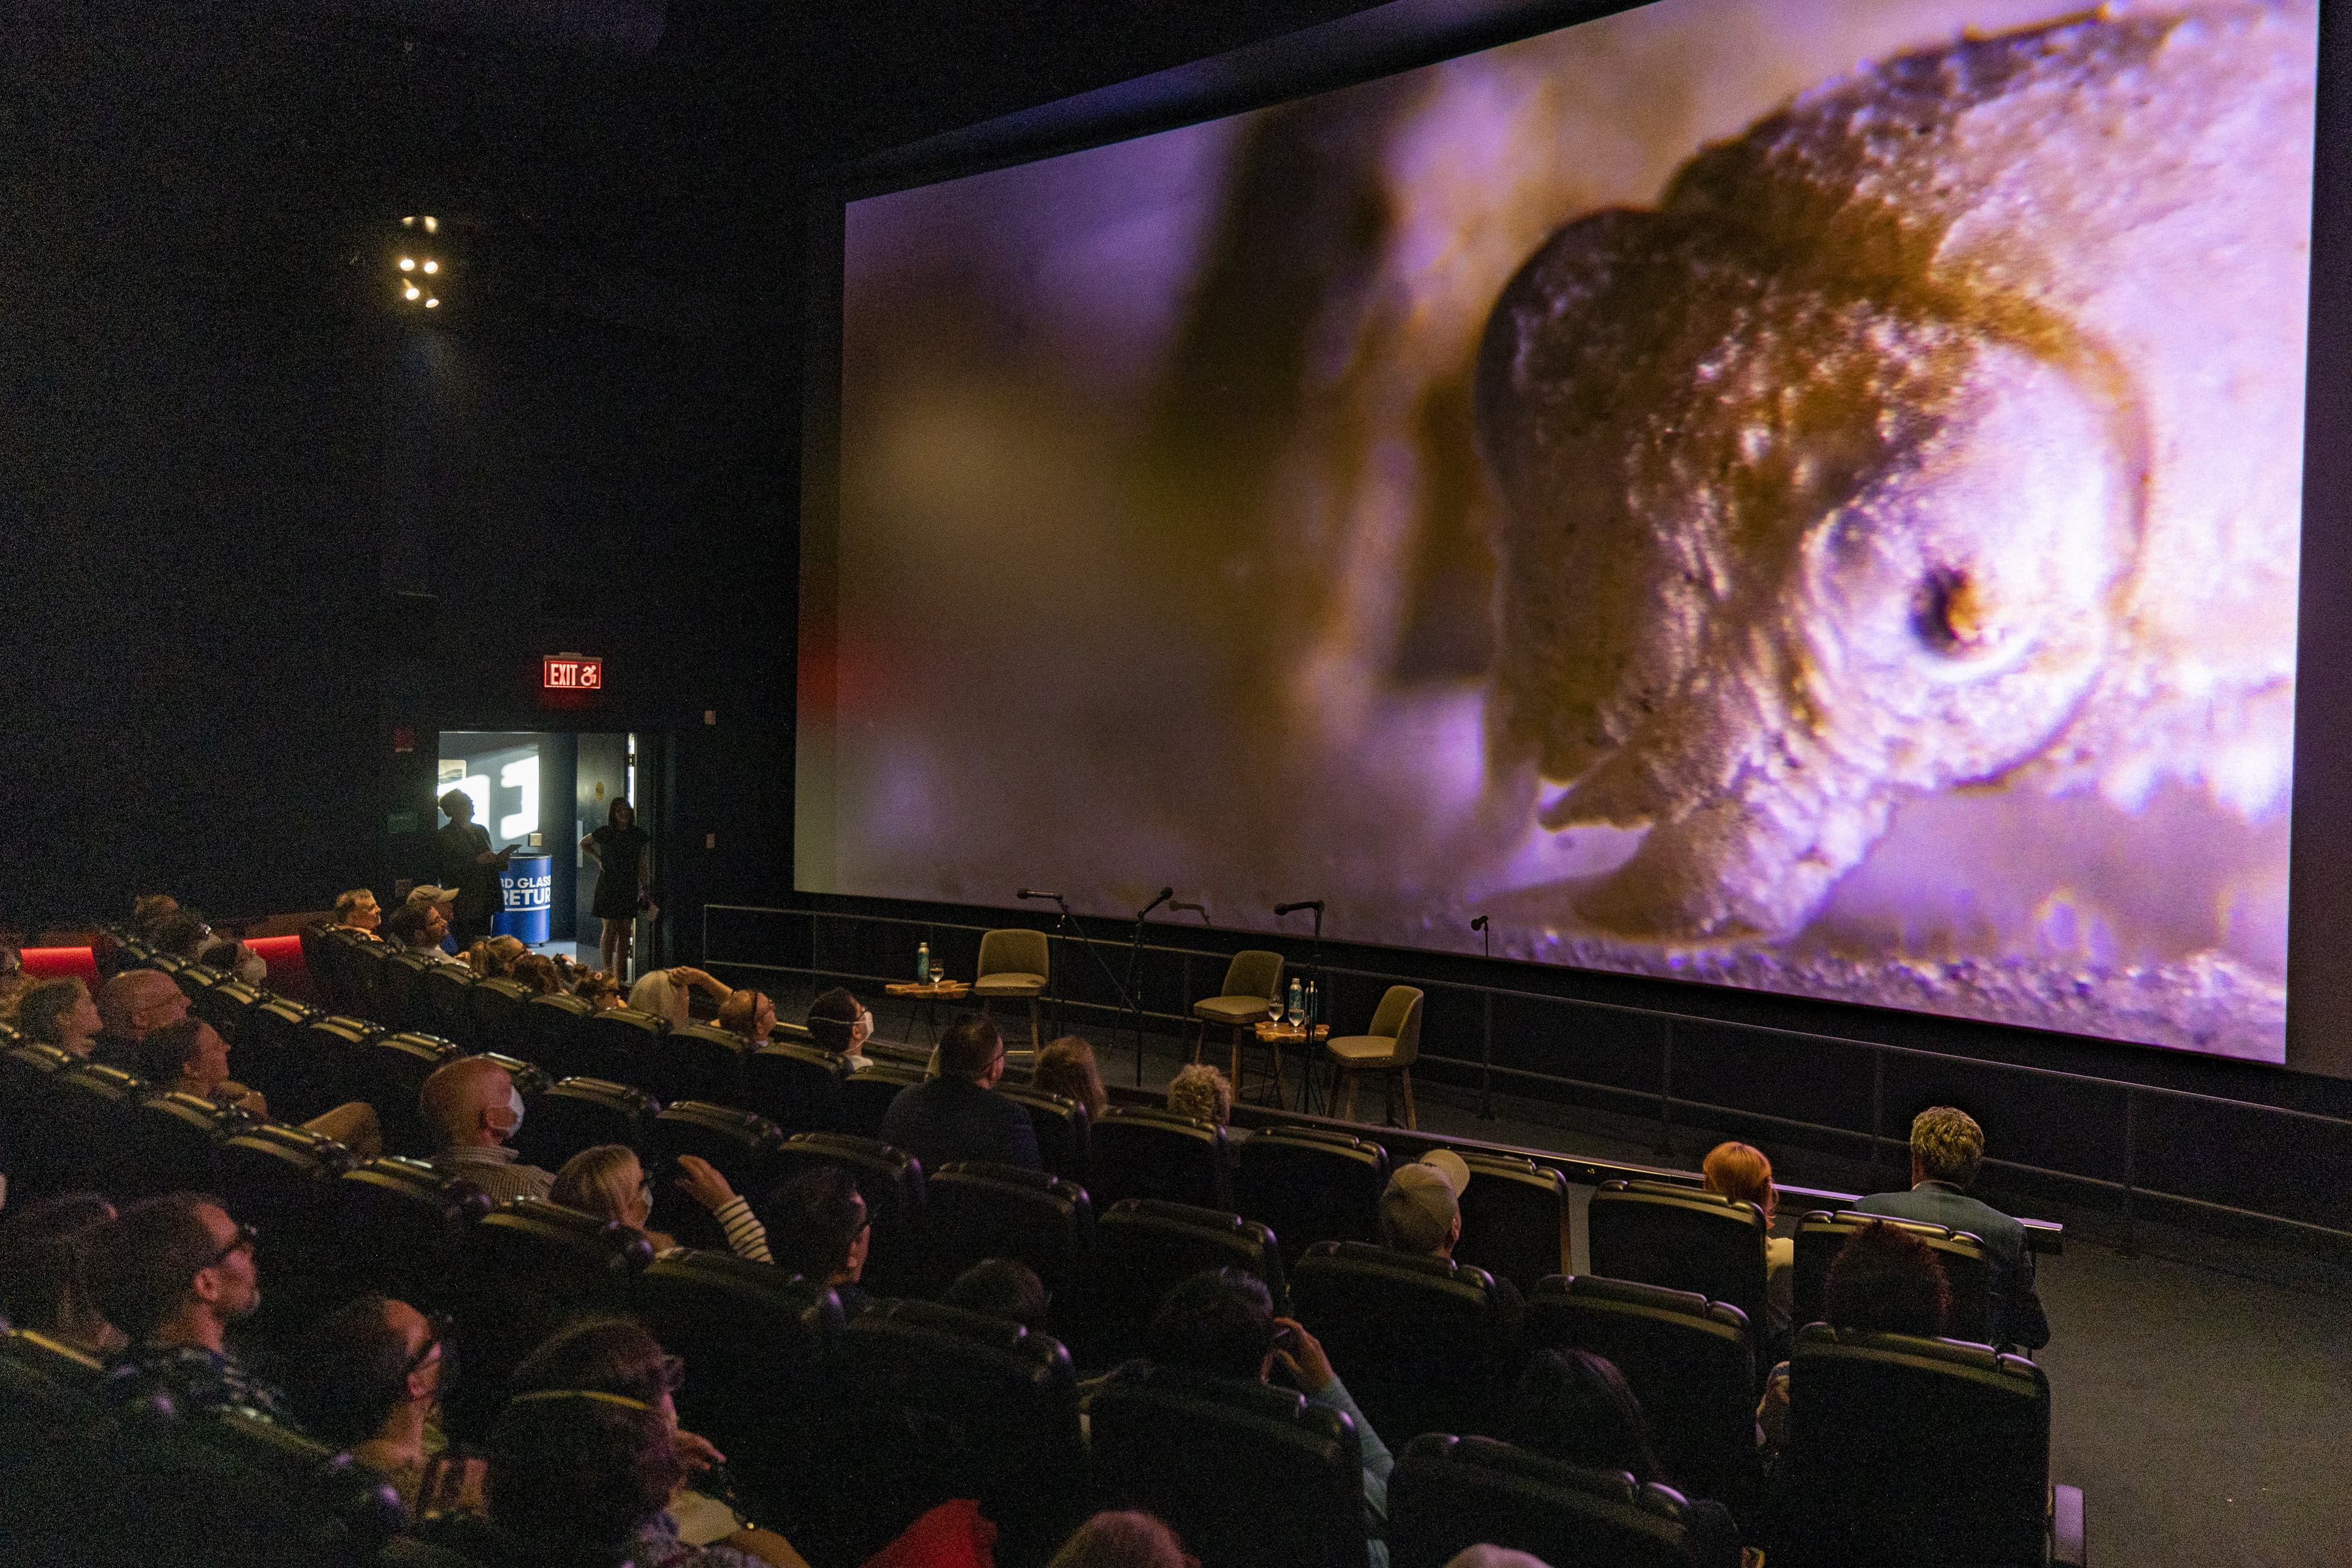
(571, 672)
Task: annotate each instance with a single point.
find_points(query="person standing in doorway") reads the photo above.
(624, 880)
(464, 859)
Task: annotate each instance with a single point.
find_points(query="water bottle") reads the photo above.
(922, 963)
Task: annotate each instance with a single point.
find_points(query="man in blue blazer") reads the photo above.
(958, 1115)
(1946, 1146)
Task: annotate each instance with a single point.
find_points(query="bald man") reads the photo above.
(129, 1006)
(473, 1109)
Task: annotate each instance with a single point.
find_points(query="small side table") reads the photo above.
(1272, 1036)
(925, 996)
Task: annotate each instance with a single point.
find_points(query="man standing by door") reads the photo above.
(464, 859)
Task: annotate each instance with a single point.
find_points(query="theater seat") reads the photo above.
(741, 1145)
(700, 1062)
(1514, 1219)
(1141, 1154)
(546, 1040)
(273, 1052)
(579, 1113)
(1064, 1142)
(501, 1021)
(1311, 1185)
(617, 1044)
(1449, 1492)
(1949, 1444)
(389, 1072)
(535, 1267)
(1682, 1239)
(235, 1488)
(936, 1403)
(1247, 1476)
(866, 1094)
(405, 1230)
(444, 998)
(1145, 1248)
(1689, 1360)
(27, 1075)
(88, 1119)
(1821, 1233)
(891, 1183)
(224, 1006)
(798, 1087)
(979, 1210)
(364, 963)
(171, 1144)
(401, 999)
(1424, 1344)
(757, 1345)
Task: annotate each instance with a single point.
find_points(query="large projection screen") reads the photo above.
(1790, 494)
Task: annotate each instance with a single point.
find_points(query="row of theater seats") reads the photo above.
(1421, 1341)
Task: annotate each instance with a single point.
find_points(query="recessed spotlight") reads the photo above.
(433, 225)
(408, 223)
(430, 304)
(408, 264)
(410, 292)
(432, 267)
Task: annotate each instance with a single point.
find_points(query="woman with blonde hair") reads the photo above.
(607, 1181)
(1067, 1067)
(1201, 1092)
(1740, 1172)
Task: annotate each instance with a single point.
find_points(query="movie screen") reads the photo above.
(1801, 496)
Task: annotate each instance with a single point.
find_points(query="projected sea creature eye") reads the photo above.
(1952, 613)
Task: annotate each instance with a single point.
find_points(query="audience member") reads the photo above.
(420, 927)
(1740, 1172)
(958, 1115)
(190, 1056)
(473, 1108)
(599, 990)
(1574, 1405)
(624, 880)
(1002, 1288)
(818, 1230)
(59, 1013)
(1122, 1540)
(608, 1181)
(149, 911)
(132, 1002)
(538, 972)
(173, 1273)
(666, 992)
(1946, 1147)
(45, 1271)
(181, 934)
(588, 1457)
(1421, 1213)
(13, 980)
(750, 1014)
(1203, 1092)
(1067, 1067)
(440, 897)
(357, 910)
(237, 959)
(1221, 1323)
(1883, 1280)
(463, 860)
(838, 1022)
(368, 1377)
(493, 957)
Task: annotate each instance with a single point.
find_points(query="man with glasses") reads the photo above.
(129, 1006)
(958, 1115)
(366, 1377)
(173, 1273)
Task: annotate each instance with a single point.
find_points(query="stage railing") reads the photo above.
(1876, 1139)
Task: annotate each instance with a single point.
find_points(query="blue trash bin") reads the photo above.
(527, 889)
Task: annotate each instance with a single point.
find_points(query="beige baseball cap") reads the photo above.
(1423, 1201)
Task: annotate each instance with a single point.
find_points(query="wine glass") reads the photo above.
(1273, 1009)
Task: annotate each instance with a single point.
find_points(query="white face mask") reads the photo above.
(514, 1109)
(253, 969)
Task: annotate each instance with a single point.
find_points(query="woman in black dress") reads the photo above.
(624, 878)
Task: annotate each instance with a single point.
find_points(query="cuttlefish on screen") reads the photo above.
(1943, 430)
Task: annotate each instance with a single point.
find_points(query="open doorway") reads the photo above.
(542, 792)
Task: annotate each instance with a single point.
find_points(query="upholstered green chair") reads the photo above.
(1014, 963)
(1253, 980)
(1388, 1048)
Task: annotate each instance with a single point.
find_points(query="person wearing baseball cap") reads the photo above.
(1421, 1213)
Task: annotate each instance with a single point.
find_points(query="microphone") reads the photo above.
(1478, 924)
(1034, 894)
(1165, 894)
(1315, 904)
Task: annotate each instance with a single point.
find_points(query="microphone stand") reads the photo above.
(1486, 1032)
(1134, 955)
(1086, 942)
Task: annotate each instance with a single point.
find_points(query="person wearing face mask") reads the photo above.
(842, 1024)
(367, 1377)
(473, 1108)
(231, 956)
